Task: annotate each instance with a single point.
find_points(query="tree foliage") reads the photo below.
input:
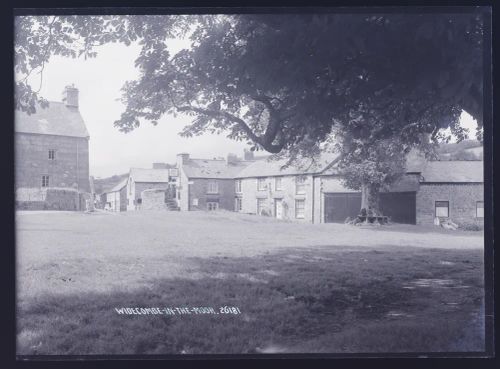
(286, 82)
(283, 79)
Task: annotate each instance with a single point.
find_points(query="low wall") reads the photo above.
(50, 199)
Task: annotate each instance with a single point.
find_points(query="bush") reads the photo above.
(265, 212)
(470, 227)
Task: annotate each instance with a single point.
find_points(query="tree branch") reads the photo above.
(261, 140)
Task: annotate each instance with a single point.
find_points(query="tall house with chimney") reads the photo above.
(52, 156)
(208, 184)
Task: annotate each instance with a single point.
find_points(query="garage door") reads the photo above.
(400, 206)
(339, 206)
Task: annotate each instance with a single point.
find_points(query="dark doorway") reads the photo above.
(401, 207)
(339, 206)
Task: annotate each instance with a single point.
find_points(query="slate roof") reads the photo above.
(57, 119)
(268, 167)
(149, 175)
(460, 171)
(214, 168)
(117, 187)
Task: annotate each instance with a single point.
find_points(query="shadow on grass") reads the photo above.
(354, 300)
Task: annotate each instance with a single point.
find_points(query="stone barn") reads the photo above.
(141, 179)
(52, 156)
(115, 199)
(451, 190)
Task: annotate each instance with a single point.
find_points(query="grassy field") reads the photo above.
(299, 287)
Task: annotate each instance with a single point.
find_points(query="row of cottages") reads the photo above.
(52, 157)
(444, 189)
(315, 193)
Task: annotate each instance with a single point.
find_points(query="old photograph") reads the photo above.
(254, 183)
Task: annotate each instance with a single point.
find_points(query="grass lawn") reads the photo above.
(300, 288)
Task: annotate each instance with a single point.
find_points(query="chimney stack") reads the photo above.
(70, 96)
(182, 159)
(232, 158)
(247, 154)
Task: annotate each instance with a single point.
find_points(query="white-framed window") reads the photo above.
(212, 205)
(300, 185)
(195, 202)
(261, 203)
(52, 154)
(213, 186)
(45, 181)
(277, 184)
(480, 209)
(300, 206)
(238, 206)
(261, 184)
(237, 186)
(442, 209)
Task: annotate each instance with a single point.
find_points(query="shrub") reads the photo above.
(265, 212)
(470, 227)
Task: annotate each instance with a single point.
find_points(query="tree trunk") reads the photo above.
(370, 198)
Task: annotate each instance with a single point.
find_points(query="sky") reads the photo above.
(99, 81)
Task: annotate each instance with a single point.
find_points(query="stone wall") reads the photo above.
(49, 199)
(462, 202)
(153, 199)
(133, 196)
(69, 169)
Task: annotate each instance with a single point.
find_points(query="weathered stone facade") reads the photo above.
(199, 195)
(462, 200)
(153, 199)
(69, 168)
(287, 196)
(52, 156)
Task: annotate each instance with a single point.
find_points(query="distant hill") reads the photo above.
(104, 184)
(465, 150)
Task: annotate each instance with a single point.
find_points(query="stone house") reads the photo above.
(115, 199)
(141, 179)
(208, 184)
(52, 156)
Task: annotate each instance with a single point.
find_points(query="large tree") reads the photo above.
(283, 82)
